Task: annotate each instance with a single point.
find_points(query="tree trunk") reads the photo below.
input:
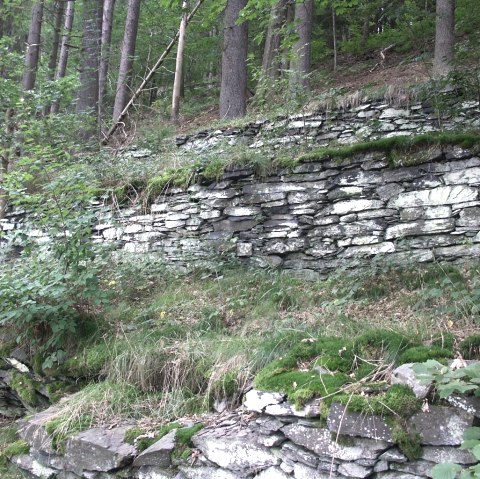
(233, 89)
(107, 23)
(444, 38)
(177, 83)
(52, 62)
(126, 60)
(32, 54)
(271, 60)
(334, 33)
(88, 92)
(4, 160)
(2, 17)
(63, 57)
(303, 47)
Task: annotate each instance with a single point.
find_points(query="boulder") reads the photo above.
(158, 454)
(405, 375)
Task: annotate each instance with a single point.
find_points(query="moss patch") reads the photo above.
(398, 401)
(16, 448)
(137, 436)
(24, 386)
(409, 442)
(381, 344)
(59, 434)
(420, 354)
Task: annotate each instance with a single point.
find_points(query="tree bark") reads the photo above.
(32, 54)
(5, 160)
(63, 57)
(107, 23)
(126, 60)
(59, 8)
(271, 60)
(444, 38)
(89, 62)
(303, 47)
(233, 88)
(178, 81)
(334, 33)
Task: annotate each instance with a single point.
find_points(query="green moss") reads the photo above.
(399, 400)
(470, 347)
(300, 386)
(399, 144)
(420, 354)
(381, 344)
(16, 448)
(185, 434)
(132, 434)
(24, 386)
(409, 442)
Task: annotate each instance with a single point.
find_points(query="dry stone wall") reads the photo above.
(368, 121)
(267, 438)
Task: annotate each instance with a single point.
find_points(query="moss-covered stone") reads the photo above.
(409, 442)
(138, 437)
(60, 429)
(25, 387)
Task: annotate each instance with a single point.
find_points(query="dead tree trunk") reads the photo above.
(32, 54)
(126, 60)
(233, 89)
(177, 84)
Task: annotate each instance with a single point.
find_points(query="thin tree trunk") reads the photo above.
(271, 60)
(2, 17)
(177, 83)
(107, 23)
(286, 53)
(4, 160)
(126, 60)
(32, 54)
(303, 48)
(444, 38)
(334, 32)
(233, 89)
(64, 47)
(88, 92)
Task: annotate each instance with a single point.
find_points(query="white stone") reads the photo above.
(257, 401)
(209, 214)
(416, 228)
(159, 208)
(369, 250)
(443, 195)
(350, 469)
(300, 471)
(350, 206)
(435, 212)
(244, 249)
(394, 113)
(242, 211)
(404, 374)
(469, 176)
(133, 228)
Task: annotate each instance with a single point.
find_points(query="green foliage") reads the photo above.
(185, 434)
(448, 381)
(16, 448)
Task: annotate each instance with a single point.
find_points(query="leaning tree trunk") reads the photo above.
(233, 89)
(444, 38)
(126, 60)
(178, 81)
(302, 50)
(107, 23)
(64, 47)
(88, 92)
(271, 60)
(33, 46)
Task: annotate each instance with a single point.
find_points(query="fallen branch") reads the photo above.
(150, 74)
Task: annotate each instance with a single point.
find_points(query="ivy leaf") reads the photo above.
(445, 471)
(476, 451)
